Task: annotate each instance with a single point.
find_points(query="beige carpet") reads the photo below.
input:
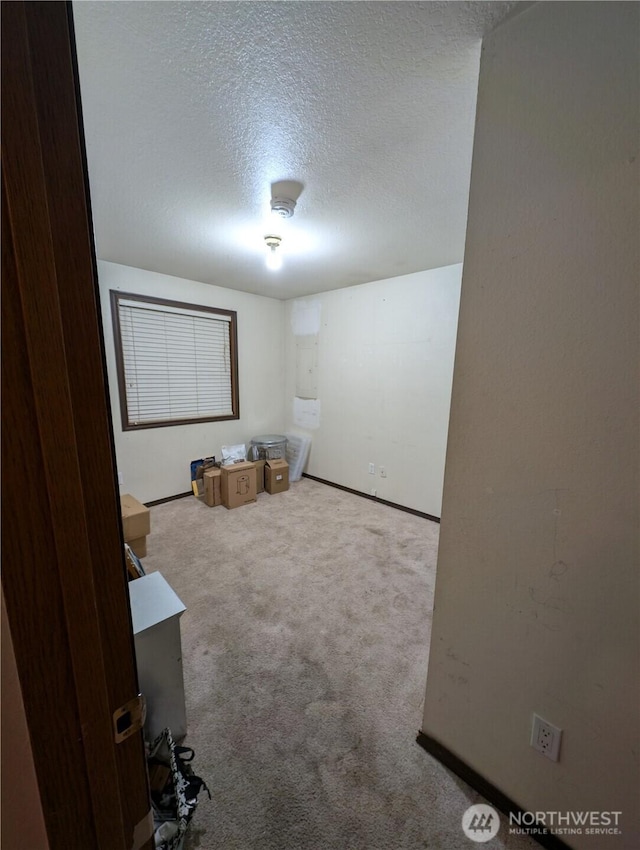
(305, 646)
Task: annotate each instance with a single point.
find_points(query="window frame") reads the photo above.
(116, 296)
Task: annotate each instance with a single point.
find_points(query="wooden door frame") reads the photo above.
(63, 578)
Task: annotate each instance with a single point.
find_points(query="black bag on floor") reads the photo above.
(174, 790)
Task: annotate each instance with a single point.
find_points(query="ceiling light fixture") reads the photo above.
(283, 207)
(274, 259)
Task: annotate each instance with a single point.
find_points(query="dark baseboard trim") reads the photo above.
(329, 484)
(372, 498)
(167, 499)
(487, 789)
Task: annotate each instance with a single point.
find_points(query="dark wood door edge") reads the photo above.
(63, 575)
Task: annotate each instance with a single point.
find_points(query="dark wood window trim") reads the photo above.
(127, 425)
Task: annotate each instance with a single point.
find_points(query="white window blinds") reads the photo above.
(176, 363)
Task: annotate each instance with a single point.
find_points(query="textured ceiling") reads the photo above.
(193, 109)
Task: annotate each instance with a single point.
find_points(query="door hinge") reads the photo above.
(129, 718)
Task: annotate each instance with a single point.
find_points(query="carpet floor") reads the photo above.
(305, 646)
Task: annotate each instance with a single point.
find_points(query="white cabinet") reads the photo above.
(156, 610)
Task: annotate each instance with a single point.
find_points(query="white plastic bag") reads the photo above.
(234, 454)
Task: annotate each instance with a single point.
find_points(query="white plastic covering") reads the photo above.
(297, 454)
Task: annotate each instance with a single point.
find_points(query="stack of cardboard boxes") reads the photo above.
(238, 484)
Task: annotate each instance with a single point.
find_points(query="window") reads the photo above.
(177, 363)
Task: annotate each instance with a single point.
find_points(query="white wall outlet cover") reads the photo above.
(372, 469)
(545, 737)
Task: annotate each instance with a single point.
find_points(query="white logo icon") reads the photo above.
(480, 823)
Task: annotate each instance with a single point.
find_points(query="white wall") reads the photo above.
(384, 368)
(154, 462)
(384, 384)
(536, 603)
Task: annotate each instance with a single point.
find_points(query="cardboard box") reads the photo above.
(139, 546)
(238, 484)
(136, 519)
(276, 475)
(212, 490)
(259, 475)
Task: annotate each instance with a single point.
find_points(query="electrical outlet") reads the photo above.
(545, 737)
(383, 472)
(372, 469)
(120, 479)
